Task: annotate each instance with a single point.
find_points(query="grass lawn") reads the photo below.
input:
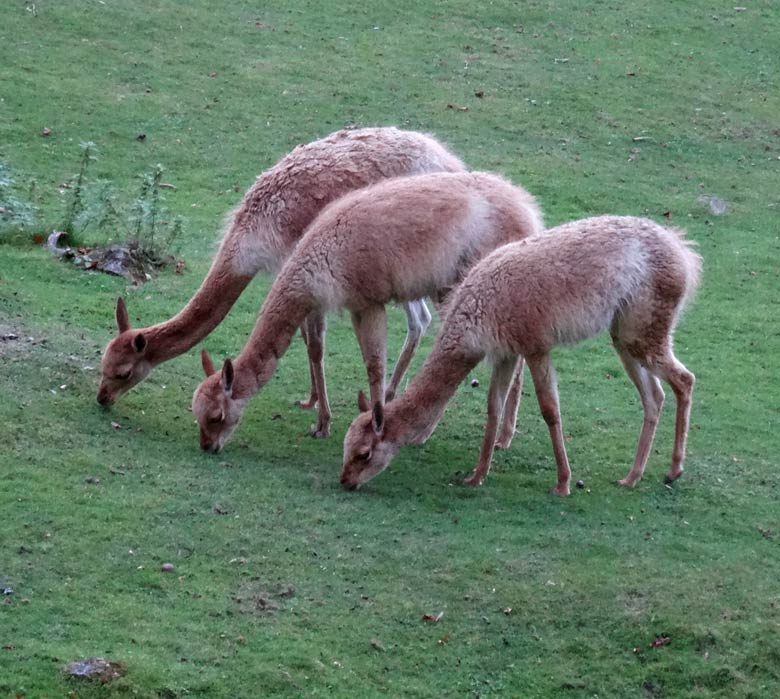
(284, 584)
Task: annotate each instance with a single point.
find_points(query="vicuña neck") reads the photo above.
(282, 314)
(413, 416)
(203, 312)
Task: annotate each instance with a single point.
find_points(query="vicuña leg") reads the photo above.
(371, 330)
(652, 396)
(418, 318)
(543, 375)
(315, 347)
(511, 406)
(671, 370)
(309, 403)
(503, 371)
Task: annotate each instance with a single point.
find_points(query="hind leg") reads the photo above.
(418, 318)
(511, 406)
(667, 367)
(652, 396)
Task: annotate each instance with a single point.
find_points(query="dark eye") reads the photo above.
(364, 455)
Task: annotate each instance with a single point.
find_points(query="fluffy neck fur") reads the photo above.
(200, 316)
(413, 416)
(283, 312)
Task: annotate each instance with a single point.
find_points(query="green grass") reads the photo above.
(301, 589)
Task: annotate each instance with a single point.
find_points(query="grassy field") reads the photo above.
(285, 585)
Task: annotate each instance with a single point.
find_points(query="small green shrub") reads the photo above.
(17, 210)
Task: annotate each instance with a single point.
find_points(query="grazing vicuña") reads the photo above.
(625, 274)
(260, 236)
(399, 240)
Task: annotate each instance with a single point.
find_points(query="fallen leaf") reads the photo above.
(667, 214)
(432, 617)
(45, 131)
(456, 108)
(116, 425)
(660, 641)
(479, 93)
(377, 645)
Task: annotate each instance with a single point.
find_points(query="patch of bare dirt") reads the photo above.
(258, 599)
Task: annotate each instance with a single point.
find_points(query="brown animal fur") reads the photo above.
(625, 274)
(398, 240)
(261, 234)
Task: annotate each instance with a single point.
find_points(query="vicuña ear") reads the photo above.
(227, 376)
(363, 405)
(206, 363)
(139, 343)
(378, 419)
(122, 319)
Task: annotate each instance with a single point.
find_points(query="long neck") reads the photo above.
(283, 312)
(203, 312)
(413, 416)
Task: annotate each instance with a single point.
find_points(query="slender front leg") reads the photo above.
(371, 330)
(418, 318)
(511, 406)
(315, 346)
(503, 370)
(543, 375)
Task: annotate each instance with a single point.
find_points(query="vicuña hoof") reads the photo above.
(473, 480)
(671, 477)
(320, 431)
(560, 490)
(626, 482)
(504, 441)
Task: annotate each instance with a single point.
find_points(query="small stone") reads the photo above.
(475, 383)
(580, 484)
(45, 131)
(167, 568)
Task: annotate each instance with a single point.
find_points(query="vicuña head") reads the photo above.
(214, 407)
(125, 362)
(367, 450)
